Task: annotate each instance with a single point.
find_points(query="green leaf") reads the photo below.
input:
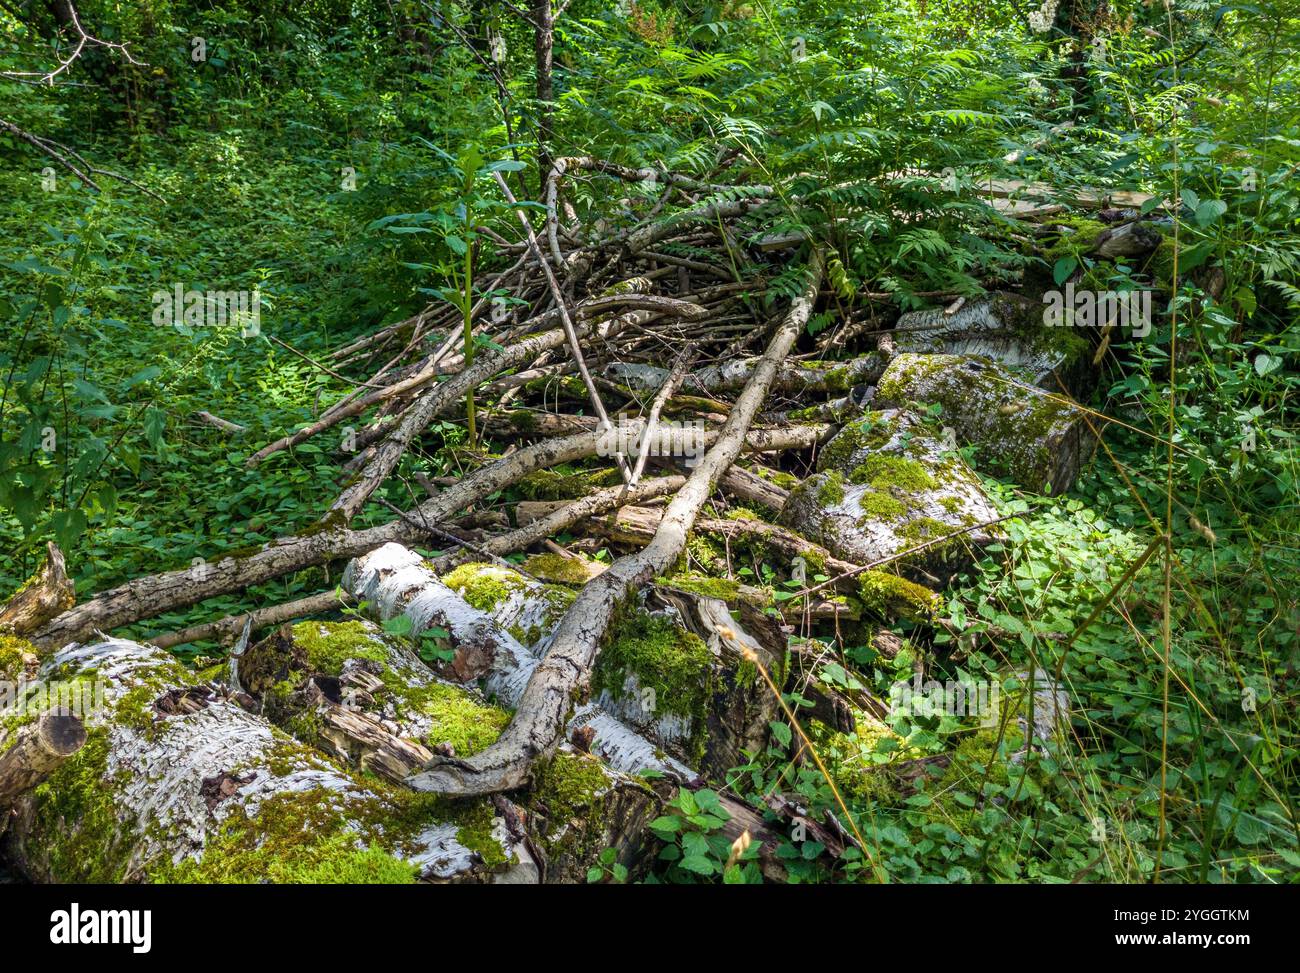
(68, 525)
(782, 732)
(1063, 268)
(698, 864)
(1209, 211)
(1267, 363)
(666, 826)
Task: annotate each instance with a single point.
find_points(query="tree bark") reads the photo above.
(48, 593)
(31, 753)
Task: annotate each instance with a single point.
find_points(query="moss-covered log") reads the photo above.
(1038, 440)
(179, 782)
(675, 687)
(1007, 328)
(365, 698)
(886, 485)
(397, 582)
(793, 376)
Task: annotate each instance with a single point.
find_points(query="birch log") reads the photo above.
(177, 781)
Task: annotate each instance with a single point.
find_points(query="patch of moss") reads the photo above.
(814, 559)
(135, 709)
(458, 718)
(476, 824)
(484, 586)
(701, 584)
(1160, 264)
(301, 837)
(924, 529)
(559, 569)
(889, 595)
(553, 485)
(882, 506)
(831, 492)
(12, 650)
(885, 470)
(787, 481)
(1078, 234)
(703, 550)
(571, 784)
(1012, 427)
(664, 657)
(328, 645)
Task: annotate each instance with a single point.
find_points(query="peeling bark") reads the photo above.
(1007, 328)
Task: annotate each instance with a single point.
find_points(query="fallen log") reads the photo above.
(885, 485)
(30, 753)
(229, 628)
(367, 700)
(1038, 439)
(559, 516)
(1006, 328)
(795, 377)
(179, 782)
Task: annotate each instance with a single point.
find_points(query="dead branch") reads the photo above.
(543, 709)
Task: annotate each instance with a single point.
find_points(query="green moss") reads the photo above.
(787, 481)
(135, 709)
(294, 838)
(570, 794)
(559, 569)
(673, 662)
(550, 485)
(701, 584)
(571, 785)
(328, 645)
(741, 513)
(882, 506)
(831, 492)
(476, 824)
(523, 420)
(889, 595)
(80, 819)
(860, 761)
(701, 549)
(814, 559)
(484, 586)
(1012, 427)
(885, 470)
(12, 650)
(871, 433)
(1078, 234)
(837, 380)
(924, 529)
(459, 719)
